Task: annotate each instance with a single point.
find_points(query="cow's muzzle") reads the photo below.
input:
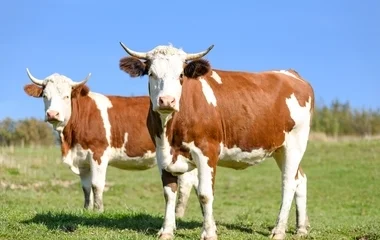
(52, 116)
(166, 104)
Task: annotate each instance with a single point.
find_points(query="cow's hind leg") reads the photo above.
(85, 178)
(186, 182)
(293, 183)
(98, 182)
(301, 199)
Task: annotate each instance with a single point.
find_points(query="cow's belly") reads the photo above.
(237, 159)
(119, 159)
(78, 158)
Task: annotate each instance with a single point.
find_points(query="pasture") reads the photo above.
(40, 198)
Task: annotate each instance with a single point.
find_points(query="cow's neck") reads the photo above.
(66, 133)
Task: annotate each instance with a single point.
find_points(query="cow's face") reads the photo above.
(56, 91)
(164, 65)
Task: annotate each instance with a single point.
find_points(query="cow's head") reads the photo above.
(57, 91)
(165, 66)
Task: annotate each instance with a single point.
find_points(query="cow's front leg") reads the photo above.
(85, 178)
(169, 183)
(186, 182)
(206, 163)
(98, 182)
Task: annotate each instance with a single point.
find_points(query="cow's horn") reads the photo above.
(140, 55)
(193, 56)
(74, 84)
(34, 80)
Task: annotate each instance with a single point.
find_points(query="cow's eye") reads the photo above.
(66, 97)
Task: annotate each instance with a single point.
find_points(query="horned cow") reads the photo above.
(202, 117)
(96, 131)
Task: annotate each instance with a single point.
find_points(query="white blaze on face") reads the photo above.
(57, 97)
(166, 67)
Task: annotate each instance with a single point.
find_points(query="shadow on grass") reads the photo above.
(139, 222)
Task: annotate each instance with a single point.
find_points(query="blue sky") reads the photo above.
(333, 44)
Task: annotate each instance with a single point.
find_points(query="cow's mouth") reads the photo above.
(165, 110)
(53, 121)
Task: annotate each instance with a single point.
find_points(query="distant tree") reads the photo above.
(26, 132)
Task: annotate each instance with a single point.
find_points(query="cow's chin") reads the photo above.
(57, 124)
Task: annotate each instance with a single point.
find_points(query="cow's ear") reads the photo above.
(33, 90)
(134, 66)
(197, 68)
(80, 90)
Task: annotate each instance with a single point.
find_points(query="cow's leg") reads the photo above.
(186, 182)
(206, 163)
(301, 199)
(169, 183)
(98, 182)
(288, 159)
(85, 178)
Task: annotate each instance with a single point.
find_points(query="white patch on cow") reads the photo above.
(216, 77)
(182, 165)
(77, 157)
(300, 115)
(164, 157)
(208, 92)
(103, 104)
(165, 69)
(237, 159)
(288, 74)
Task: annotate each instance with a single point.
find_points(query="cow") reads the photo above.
(203, 118)
(96, 130)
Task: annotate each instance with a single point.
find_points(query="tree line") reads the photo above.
(336, 119)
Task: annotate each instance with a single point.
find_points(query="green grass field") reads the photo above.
(41, 199)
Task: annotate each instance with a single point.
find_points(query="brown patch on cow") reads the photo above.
(129, 115)
(134, 66)
(154, 124)
(33, 90)
(85, 126)
(169, 180)
(81, 90)
(197, 68)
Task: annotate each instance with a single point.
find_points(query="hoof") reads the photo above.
(301, 232)
(210, 238)
(277, 236)
(166, 236)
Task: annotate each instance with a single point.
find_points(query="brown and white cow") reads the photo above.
(96, 131)
(201, 117)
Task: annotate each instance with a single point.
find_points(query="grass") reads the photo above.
(41, 199)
